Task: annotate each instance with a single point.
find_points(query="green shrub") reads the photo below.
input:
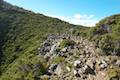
(44, 77)
(58, 59)
(66, 43)
(113, 73)
(107, 41)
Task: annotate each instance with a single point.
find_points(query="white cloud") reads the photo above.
(78, 16)
(78, 19)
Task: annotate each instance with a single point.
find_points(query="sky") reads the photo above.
(80, 12)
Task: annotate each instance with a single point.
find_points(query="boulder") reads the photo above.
(118, 63)
(103, 64)
(62, 54)
(58, 70)
(65, 49)
(91, 63)
(76, 73)
(54, 69)
(78, 64)
(43, 50)
(88, 70)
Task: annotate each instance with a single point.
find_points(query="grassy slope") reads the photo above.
(21, 32)
(109, 42)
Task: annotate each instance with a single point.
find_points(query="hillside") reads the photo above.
(106, 35)
(34, 47)
(21, 32)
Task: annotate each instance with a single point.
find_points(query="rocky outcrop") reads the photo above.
(81, 60)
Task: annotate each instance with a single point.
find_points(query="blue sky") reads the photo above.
(83, 12)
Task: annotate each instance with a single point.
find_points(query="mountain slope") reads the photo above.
(21, 32)
(106, 35)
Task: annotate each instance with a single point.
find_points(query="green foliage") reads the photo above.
(69, 65)
(105, 43)
(21, 32)
(45, 77)
(66, 43)
(58, 59)
(109, 42)
(113, 73)
(84, 32)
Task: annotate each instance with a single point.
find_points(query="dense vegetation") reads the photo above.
(21, 32)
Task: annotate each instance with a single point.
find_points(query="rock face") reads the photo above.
(77, 59)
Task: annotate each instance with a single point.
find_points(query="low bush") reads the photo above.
(66, 43)
(113, 74)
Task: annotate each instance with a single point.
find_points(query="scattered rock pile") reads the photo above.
(81, 60)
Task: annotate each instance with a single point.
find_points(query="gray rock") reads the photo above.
(65, 49)
(118, 63)
(78, 64)
(58, 70)
(91, 63)
(54, 69)
(76, 73)
(103, 65)
(88, 70)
